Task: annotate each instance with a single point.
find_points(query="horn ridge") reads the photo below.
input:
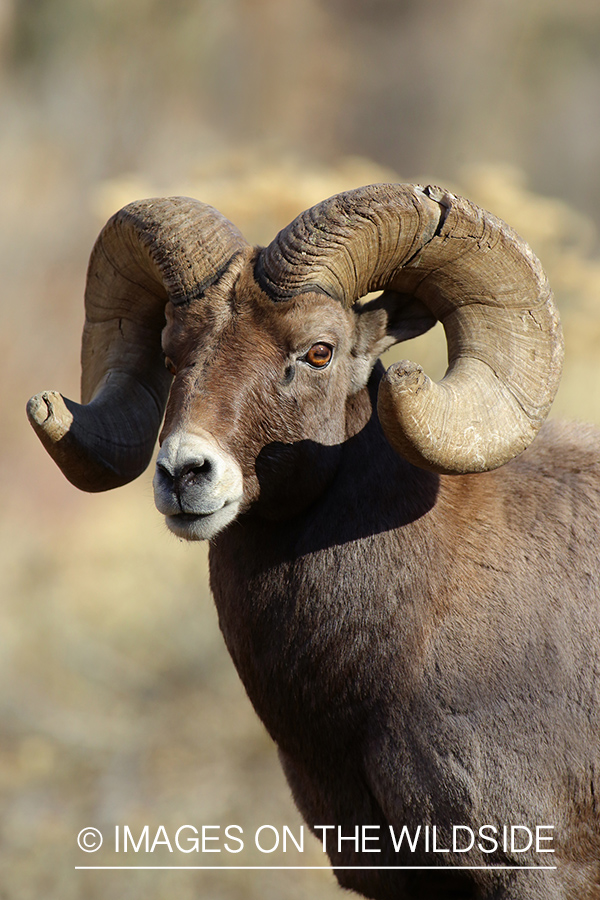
(476, 275)
(332, 246)
(149, 253)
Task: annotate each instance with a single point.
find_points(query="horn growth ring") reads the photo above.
(477, 276)
(148, 254)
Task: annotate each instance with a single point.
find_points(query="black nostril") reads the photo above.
(191, 473)
(164, 471)
(202, 467)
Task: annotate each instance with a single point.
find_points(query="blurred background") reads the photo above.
(118, 703)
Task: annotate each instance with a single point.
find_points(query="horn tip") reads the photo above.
(48, 414)
(407, 376)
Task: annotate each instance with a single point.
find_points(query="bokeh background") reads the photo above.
(118, 703)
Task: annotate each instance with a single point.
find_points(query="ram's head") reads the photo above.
(268, 346)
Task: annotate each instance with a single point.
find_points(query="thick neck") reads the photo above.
(290, 594)
(373, 490)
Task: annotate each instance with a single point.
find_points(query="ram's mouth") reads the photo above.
(202, 526)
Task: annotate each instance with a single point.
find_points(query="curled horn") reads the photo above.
(476, 276)
(149, 253)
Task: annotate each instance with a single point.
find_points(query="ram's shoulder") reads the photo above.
(563, 448)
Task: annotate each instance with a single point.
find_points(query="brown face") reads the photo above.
(257, 412)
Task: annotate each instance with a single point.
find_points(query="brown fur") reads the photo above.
(424, 649)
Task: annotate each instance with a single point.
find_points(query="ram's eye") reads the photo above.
(170, 365)
(319, 356)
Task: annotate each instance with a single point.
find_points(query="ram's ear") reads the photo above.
(387, 320)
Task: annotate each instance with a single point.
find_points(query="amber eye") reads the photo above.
(170, 365)
(319, 356)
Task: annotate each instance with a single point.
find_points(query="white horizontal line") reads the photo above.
(331, 868)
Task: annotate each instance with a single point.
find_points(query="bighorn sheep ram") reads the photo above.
(417, 627)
